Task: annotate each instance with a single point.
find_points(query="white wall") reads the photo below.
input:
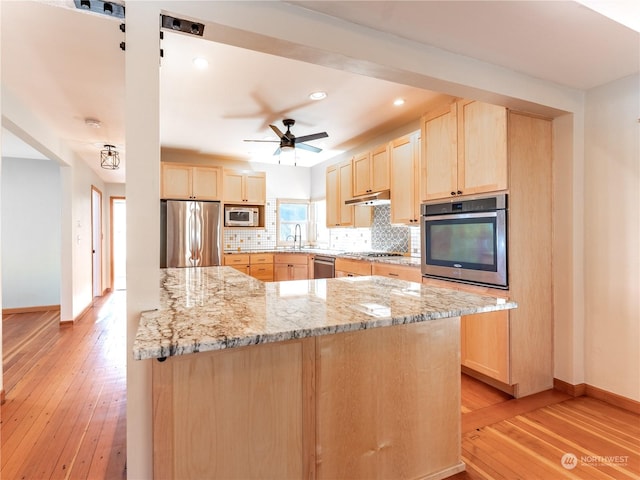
(612, 237)
(31, 213)
(76, 179)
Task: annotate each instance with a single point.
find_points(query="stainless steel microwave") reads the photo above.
(241, 217)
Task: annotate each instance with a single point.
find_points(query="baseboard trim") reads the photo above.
(613, 399)
(510, 389)
(69, 323)
(570, 389)
(37, 308)
(597, 393)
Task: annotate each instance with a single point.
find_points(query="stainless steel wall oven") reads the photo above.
(466, 240)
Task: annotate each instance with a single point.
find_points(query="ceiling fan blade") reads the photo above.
(308, 138)
(311, 148)
(277, 131)
(277, 152)
(267, 141)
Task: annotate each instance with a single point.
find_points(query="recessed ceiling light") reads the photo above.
(398, 102)
(200, 63)
(318, 95)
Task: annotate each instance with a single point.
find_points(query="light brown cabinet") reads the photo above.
(261, 266)
(485, 344)
(338, 189)
(399, 272)
(290, 266)
(347, 267)
(405, 179)
(258, 265)
(239, 187)
(371, 171)
(465, 150)
(239, 261)
(523, 337)
(189, 182)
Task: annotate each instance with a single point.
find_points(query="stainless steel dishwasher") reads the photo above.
(324, 267)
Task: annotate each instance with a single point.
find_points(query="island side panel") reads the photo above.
(238, 413)
(388, 402)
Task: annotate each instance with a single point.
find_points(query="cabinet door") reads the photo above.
(262, 272)
(255, 188)
(482, 147)
(346, 211)
(485, 344)
(176, 182)
(380, 168)
(332, 197)
(404, 169)
(361, 174)
(439, 173)
(280, 272)
(232, 186)
(298, 272)
(206, 183)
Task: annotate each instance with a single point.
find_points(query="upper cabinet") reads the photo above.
(190, 182)
(244, 187)
(465, 150)
(405, 179)
(371, 171)
(339, 180)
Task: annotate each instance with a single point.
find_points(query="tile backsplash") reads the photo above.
(380, 236)
(386, 237)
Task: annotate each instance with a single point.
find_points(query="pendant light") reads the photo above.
(109, 158)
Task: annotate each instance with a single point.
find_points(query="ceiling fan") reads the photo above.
(289, 141)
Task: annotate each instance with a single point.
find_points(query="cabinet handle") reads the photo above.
(459, 192)
(391, 274)
(453, 193)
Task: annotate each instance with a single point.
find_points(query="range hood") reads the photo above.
(380, 198)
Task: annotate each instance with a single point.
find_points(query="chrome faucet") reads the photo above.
(297, 236)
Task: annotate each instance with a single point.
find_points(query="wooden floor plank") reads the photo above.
(71, 392)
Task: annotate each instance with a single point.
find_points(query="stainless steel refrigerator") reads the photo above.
(191, 233)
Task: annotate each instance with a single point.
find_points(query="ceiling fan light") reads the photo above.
(287, 156)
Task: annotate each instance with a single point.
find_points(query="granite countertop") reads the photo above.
(213, 308)
(399, 260)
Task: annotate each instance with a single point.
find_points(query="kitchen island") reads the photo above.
(356, 377)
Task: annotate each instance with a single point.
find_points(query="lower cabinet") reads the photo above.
(238, 261)
(290, 266)
(346, 267)
(400, 272)
(258, 265)
(261, 266)
(485, 344)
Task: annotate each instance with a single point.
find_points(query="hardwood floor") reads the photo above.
(64, 415)
(66, 394)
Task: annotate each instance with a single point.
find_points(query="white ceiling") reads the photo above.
(68, 67)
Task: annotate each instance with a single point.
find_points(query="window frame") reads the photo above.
(306, 229)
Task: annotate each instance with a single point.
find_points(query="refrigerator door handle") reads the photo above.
(196, 243)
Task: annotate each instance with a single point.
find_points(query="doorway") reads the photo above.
(96, 240)
(118, 243)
